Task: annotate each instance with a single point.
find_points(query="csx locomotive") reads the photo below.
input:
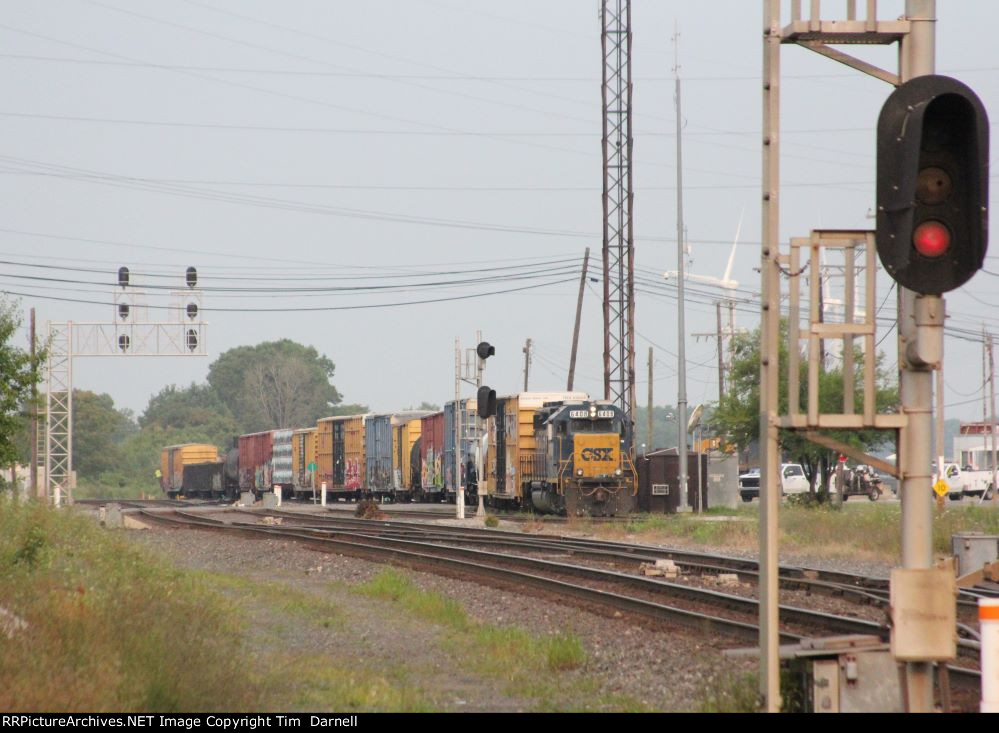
(556, 453)
(550, 452)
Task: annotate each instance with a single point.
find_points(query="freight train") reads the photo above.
(549, 452)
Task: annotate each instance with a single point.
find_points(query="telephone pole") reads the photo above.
(579, 314)
(33, 469)
(721, 357)
(527, 362)
(992, 415)
(681, 332)
(649, 447)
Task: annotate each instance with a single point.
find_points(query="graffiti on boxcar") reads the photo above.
(352, 474)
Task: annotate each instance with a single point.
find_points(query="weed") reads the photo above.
(492, 521)
(565, 651)
(368, 509)
(514, 655)
(31, 548)
(109, 628)
(732, 693)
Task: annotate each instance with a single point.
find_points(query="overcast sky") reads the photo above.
(278, 145)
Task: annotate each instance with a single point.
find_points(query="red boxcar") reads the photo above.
(432, 453)
(255, 452)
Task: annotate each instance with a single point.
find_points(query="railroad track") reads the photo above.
(853, 588)
(862, 589)
(143, 503)
(448, 512)
(595, 588)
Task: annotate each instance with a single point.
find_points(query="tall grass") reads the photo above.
(107, 628)
(870, 531)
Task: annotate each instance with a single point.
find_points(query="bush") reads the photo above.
(368, 509)
(102, 627)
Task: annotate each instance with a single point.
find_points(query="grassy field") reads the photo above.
(94, 625)
(860, 530)
(91, 622)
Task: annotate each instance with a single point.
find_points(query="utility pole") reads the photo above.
(681, 334)
(579, 314)
(459, 495)
(992, 415)
(33, 469)
(938, 421)
(769, 368)
(527, 362)
(649, 446)
(917, 57)
(985, 381)
(721, 358)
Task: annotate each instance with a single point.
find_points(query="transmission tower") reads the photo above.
(618, 241)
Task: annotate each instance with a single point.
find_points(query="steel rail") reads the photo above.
(410, 553)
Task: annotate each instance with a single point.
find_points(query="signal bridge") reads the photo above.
(129, 333)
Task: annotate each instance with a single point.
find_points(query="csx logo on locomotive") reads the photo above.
(597, 454)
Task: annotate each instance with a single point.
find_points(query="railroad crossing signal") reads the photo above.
(932, 184)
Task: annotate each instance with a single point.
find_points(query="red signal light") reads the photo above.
(931, 239)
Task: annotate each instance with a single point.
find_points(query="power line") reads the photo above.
(368, 306)
(455, 76)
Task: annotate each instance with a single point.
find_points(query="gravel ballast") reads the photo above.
(662, 669)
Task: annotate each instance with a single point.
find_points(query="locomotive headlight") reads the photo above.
(593, 411)
(579, 472)
(617, 472)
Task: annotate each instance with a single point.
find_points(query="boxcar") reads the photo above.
(340, 454)
(173, 458)
(205, 480)
(378, 455)
(281, 473)
(406, 428)
(511, 432)
(432, 456)
(381, 449)
(303, 455)
(470, 427)
(255, 451)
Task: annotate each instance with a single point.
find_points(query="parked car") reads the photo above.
(793, 481)
(966, 481)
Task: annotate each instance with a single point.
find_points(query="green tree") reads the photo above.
(737, 417)
(276, 384)
(17, 376)
(195, 411)
(98, 432)
(351, 409)
(664, 433)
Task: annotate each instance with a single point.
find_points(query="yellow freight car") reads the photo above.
(405, 432)
(173, 458)
(303, 455)
(340, 453)
(511, 442)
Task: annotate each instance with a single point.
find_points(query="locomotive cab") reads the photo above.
(583, 463)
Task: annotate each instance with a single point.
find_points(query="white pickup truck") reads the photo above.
(963, 482)
(793, 481)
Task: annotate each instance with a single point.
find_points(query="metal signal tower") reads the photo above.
(618, 240)
(130, 332)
